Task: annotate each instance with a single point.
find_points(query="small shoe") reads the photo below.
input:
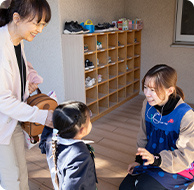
(70, 28)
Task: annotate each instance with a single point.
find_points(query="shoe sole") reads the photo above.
(68, 32)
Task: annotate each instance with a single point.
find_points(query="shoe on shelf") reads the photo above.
(99, 78)
(71, 28)
(89, 64)
(89, 81)
(80, 27)
(100, 28)
(109, 59)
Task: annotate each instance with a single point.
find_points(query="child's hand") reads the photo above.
(146, 155)
(131, 167)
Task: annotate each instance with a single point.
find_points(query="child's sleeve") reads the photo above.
(80, 173)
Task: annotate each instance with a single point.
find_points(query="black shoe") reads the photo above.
(80, 27)
(70, 28)
(100, 28)
(89, 64)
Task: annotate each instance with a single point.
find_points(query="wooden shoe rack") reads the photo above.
(120, 77)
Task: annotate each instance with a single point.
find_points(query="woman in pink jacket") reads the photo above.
(23, 19)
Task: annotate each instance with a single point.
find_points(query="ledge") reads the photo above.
(182, 45)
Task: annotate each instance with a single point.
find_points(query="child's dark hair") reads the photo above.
(26, 9)
(164, 76)
(68, 119)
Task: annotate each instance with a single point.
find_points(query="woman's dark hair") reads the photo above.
(164, 76)
(69, 117)
(26, 9)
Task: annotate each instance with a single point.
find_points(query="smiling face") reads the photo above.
(154, 96)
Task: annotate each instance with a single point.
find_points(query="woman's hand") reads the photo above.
(146, 155)
(49, 122)
(131, 167)
(32, 87)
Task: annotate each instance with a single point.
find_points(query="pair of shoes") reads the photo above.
(99, 78)
(109, 59)
(105, 27)
(88, 64)
(74, 28)
(99, 45)
(89, 81)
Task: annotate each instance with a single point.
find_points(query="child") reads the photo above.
(165, 155)
(70, 163)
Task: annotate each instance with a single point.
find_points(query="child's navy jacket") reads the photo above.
(76, 168)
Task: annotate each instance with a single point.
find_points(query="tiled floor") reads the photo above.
(115, 147)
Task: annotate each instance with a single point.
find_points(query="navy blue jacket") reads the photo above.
(76, 168)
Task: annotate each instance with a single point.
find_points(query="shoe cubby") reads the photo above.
(90, 42)
(137, 63)
(137, 38)
(102, 38)
(102, 75)
(121, 95)
(121, 81)
(103, 104)
(102, 90)
(122, 54)
(114, 60)
(113, 56)
(94, 109)
(122, 38)
(112, 40)
(129, 90)
(136, 75)
(91, 58)
(122, 68)
(137, 50)
(130, 65)
(129, 78)
(113, 86)
(130, 52)
(102, 59)
(91, 95)
(136, 87)
(112, 71)
(113, 99)
(130, 38)
(90, 75)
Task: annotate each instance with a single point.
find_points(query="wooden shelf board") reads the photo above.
(102, 109)
(100, 66)
(112, 63)
(136, 56)
(89, 52)
(120, 73)
(129, 57)
(128, 83)
(103, 81)
(111, 47)
(129, 44)
(90, 100)
(120, 86)
(111, 104)
(101, 95)
(121, 99)
(101, 50)
(112, 76)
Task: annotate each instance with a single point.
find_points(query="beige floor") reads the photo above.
(115, 147)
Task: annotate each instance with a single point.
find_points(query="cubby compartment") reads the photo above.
(112, 70)
(121, 81)
(91, 58)
(137, 37)
(102, 58)
(122, 54)
(90, 42)
(129, 78)
(103, 104)
(102, 90)
(137, 63)
(91, 95)
(130, 52)
(113, 99)
(112, 56)
(102, 38)
(121, 68)
(122, 36)
(102, 74)
(121, 95)
(137, 51)
(112, 40)
(113, 86)
(130, 38)
(94, 109)
(130, 65)
(90, 75)
(136, 75)
(129, 91)
(136, 87)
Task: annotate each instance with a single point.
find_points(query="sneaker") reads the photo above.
(89, 63)
(80, 27)
(99, 78)
(71, 28)
(89, 81)
(100, 28)
(109, 59)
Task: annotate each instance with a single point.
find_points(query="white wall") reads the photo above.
(157, 36)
